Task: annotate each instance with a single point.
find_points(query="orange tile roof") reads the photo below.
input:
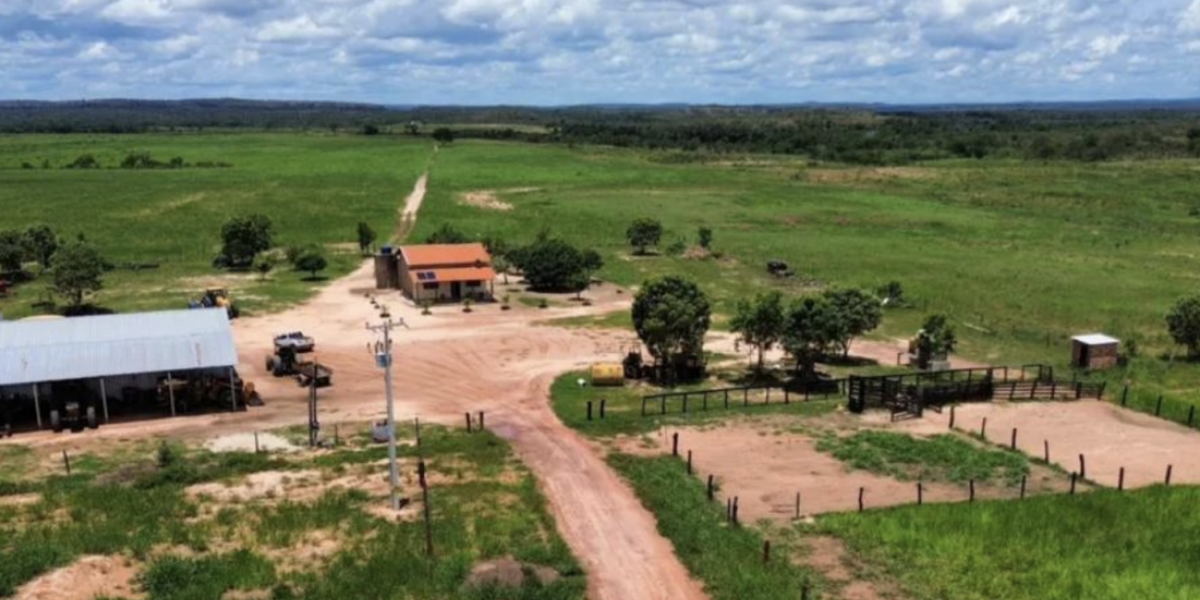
(437, 255)
(453, 274)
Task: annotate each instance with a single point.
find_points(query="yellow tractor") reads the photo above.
(220, 298)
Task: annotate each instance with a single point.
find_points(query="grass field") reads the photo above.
(944, 457)
(186, 544)
(1101, 545)
(315, 188)
(1021, 255)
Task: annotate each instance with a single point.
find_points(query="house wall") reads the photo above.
(444, 292)
(1102, 356)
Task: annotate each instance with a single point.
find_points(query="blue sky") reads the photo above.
(549, 52)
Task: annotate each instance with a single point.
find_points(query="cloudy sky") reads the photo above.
(575, 51)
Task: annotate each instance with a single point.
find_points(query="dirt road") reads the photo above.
(449, 363)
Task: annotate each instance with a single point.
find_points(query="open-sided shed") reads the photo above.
(114, 357)
(1095, 351)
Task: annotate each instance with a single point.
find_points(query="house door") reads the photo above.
(1085, 357)
(456, 290)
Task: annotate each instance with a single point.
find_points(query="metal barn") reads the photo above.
(111, 361)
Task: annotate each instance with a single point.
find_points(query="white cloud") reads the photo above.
(299, 29)
(98, 51)
(138, 12)
(1107, 45)
(1191, 17)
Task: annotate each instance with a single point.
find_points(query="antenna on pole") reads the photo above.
(383, 360)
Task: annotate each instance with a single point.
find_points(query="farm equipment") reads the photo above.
(74, 408)
(220, 298)
(206, 390)
(296, 341)
(683, 368)
(779, 268)
(285, 362)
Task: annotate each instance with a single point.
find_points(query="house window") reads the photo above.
(430, 286)
(475, 283)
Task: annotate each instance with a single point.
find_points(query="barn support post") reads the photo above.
(233, 390)
(104, 398)
(37, 406)
(171, 392)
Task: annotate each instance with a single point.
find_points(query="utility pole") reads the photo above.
(383, 360)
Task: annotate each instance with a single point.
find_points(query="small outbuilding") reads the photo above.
(1094, 351)
(437, 272)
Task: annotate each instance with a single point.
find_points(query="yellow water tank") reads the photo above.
(608, 374)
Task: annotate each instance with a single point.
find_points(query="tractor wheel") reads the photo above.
(274, 365)
(56, 422)
(270, 362)
(92, 422)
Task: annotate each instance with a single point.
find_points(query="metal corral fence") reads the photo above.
(906, 394)
(741, 396)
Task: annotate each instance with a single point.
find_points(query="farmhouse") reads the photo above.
(1094, 351)
(77, 372)
(437, 272)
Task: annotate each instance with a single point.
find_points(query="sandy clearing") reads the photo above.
(1108, 436)
(86, 578)
(485, 199)
(250, 442)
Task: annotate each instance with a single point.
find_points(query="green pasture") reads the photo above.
(1100, 545)
(1021, 255)
(314, 187)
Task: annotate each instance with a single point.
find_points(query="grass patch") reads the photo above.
(619, 319)
(944, 457)
(1103, 545)
(314, 188)
(727, 559)
(485, 506)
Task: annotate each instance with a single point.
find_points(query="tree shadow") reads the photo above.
(87, 310)
(837, 360)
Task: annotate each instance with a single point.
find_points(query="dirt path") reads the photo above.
(447, 364)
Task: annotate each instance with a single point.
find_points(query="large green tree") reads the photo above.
(77, 269)
(643, 233)
(1183, 323)
(671, 316)
(550, 264)
(243, 237)
(809, 332)
(855, 312)
(447, 234)
(41, 244)
(311, 259)
(760, 322)
(935, 341)
(12, 251)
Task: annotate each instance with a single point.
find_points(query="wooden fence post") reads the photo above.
(1121, 480)
(1014, 439)
(1046, 443)
(425, 508)
(1169, 469)
(861, 492)
(1082, 468)
(468, 422)
(983, 429)
(1023, 482)
(689, 463)
(1158, 407)
(971, 483)
(589, 410)
(728, 510)
(920, 494)
(481, 425)
(256, 450)
(735, 510)
(603, 405)
(1191, 415)
(766, 551)
(66, 461)
(797, 505)
(726, 399)
(1074, 476)
(675, 444)
(951, 416)
(710, 488)
(1125, 396)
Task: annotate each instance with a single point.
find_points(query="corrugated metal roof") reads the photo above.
(1096, 339)
(445, 255)
(112, 345)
